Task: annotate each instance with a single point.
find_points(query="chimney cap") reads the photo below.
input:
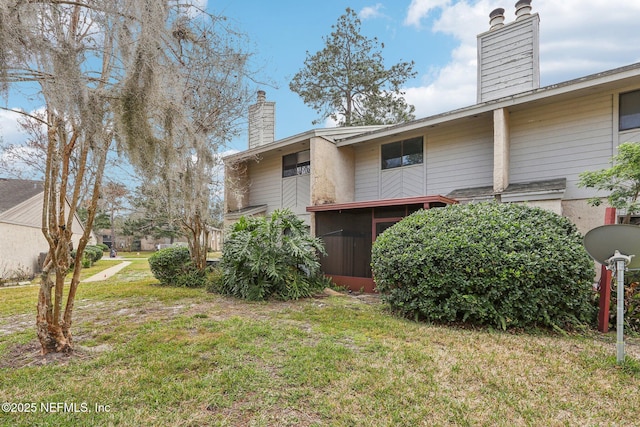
(499, 11)
(496, 19)
(523, 3)
(523, 9)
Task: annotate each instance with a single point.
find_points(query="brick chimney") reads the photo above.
(508, 54)
(262, 121)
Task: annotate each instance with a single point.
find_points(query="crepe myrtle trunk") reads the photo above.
(197, 237)
(54, 311)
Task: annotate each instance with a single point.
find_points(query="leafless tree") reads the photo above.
(156, 76)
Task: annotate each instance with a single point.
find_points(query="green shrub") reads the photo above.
(104, 247)
(93, 252)
(276, 256)
(86, 262)
(214, 279)
(173, 266)
(90, 255)
(504, 265)
(191, 278)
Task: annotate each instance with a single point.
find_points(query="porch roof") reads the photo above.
(382, 203)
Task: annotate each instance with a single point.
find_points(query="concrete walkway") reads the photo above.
(105, 274)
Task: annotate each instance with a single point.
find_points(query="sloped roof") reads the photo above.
(15, 191)
(548, 188)
(548, 185)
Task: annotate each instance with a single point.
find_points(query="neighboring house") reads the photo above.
(214, 242)
(519, 143)
(21, 238)
(128, 243)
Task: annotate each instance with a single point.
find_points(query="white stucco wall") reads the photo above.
(19, 249)
(21, 238)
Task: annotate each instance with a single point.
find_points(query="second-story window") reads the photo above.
(296, 164)
(630, 110)
(402, 153)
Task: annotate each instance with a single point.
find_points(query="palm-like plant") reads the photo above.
(274, 256)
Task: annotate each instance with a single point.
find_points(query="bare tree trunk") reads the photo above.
(48, 321)
(53, 324)
(113, 230)
(197, 238)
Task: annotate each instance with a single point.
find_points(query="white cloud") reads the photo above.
(21, 161)
(17, 159)
(10, 132)
(330, 123)
(577, 38)
(370, 12)
(419, 9)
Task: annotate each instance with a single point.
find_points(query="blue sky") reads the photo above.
(577, 38)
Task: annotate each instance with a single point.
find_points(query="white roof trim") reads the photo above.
(330, 134)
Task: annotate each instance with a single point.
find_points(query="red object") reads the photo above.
(605, 282)
(356, 284)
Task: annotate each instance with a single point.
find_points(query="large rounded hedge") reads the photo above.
(503, 265)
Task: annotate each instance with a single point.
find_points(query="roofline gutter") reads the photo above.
(586, 82)
(329, 134)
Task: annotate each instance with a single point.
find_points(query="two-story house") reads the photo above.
(519, 143)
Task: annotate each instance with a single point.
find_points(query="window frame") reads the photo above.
(404, 158)
(301, 164)
(629, 113)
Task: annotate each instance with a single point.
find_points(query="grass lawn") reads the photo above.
(158, 356)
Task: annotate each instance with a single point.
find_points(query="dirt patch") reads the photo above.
(17, 323)
(95, 318)
(30, 354)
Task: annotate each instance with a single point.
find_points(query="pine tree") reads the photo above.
(348, 82)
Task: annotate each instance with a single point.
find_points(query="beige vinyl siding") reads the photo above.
(391, 183)
(303, 197)
(413, 180)
(407, 181)
(372, 183)
(454, 157)
(265, 183)
(296, 193)
(267, 187)
(460, 157)
(367, 173)
(289, 192)
(303, 190)
(632, 135)
(561, 141)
